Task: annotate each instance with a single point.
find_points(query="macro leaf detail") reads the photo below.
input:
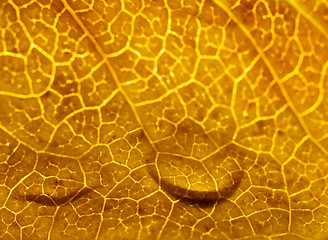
(163, 119)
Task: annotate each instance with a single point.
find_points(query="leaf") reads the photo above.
(162, 119)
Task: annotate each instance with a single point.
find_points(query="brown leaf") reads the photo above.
(163, 119)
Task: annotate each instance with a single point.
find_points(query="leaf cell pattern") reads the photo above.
(163, 119)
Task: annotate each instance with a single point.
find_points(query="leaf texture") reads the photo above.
(163, 119)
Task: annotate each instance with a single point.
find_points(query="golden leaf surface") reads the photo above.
(163, 119)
